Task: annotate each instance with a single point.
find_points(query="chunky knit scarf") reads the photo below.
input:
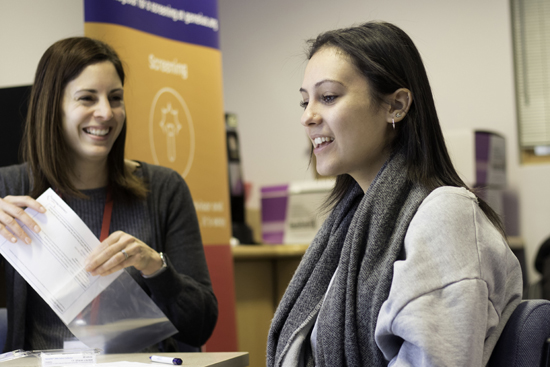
(362, 237)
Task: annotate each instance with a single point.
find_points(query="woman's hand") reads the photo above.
(119, 251)
(12, 208)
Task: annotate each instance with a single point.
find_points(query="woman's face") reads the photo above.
(93, 112)
(350, 134)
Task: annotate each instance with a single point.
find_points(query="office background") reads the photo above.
(466, 47)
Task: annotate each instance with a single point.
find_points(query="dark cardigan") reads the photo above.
(183, 292)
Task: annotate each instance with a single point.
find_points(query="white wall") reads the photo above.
(28, 28)
(466, 48)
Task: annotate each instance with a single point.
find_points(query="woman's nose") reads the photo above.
(104, 109)
(310, 118)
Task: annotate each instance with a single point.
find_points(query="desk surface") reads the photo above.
(245, 252)
(249, 252)
(229, 359)
(515, 243)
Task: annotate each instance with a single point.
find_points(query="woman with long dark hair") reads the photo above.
(411, 268)
(74, 142)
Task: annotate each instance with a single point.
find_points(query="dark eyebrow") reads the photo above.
(86, 90)
(319, 83)
(95, 91)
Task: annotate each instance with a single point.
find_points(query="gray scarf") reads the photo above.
(362, 237)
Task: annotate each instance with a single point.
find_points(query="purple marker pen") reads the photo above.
(167, 360)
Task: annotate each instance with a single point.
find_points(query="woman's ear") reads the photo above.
(399, 104)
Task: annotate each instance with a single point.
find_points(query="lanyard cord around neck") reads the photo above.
(105, 227)
(107, 211)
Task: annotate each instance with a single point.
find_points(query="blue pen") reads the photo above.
(167, 360)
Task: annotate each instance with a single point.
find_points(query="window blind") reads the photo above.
(531, 40)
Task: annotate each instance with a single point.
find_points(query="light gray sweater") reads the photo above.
(452, 295)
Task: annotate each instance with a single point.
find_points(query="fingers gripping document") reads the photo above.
(53, 264)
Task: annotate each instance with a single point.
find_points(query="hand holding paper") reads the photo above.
(53, 264)
(11, 209)
(109, 256)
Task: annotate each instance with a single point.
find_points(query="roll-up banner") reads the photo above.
(175, 117)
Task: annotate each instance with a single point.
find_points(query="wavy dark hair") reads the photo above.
(389, 60)
(44, 147)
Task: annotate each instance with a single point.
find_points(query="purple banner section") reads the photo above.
(189, 21)
(482, 156)
(271, 189)
(274, 209)
(274, 203)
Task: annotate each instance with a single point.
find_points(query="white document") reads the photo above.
(53, 264)
(126, 364)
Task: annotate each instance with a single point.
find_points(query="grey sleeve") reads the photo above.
(14, 180)
(445, 327)
(452, 294)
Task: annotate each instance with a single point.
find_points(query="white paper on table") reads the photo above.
(126, 364)
(53, 264)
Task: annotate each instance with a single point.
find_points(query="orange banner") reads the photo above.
(175, 115)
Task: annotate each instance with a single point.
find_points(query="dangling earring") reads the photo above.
(393, 123)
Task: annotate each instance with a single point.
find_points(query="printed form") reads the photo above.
(53, 264)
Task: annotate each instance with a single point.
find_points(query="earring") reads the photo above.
(398, 114)
(393, 123)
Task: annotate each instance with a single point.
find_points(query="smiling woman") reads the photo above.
(143, 214)
(410, 268)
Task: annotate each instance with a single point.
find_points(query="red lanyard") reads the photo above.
(105, 226)
(107, 211)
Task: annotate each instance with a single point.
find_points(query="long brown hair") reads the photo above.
(44, 147)
(389, 60)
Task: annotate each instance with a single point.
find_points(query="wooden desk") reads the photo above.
(233, 359)
(262, 273)
(515, 243)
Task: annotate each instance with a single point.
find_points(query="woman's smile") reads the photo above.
(97, 131)
(322, 141)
